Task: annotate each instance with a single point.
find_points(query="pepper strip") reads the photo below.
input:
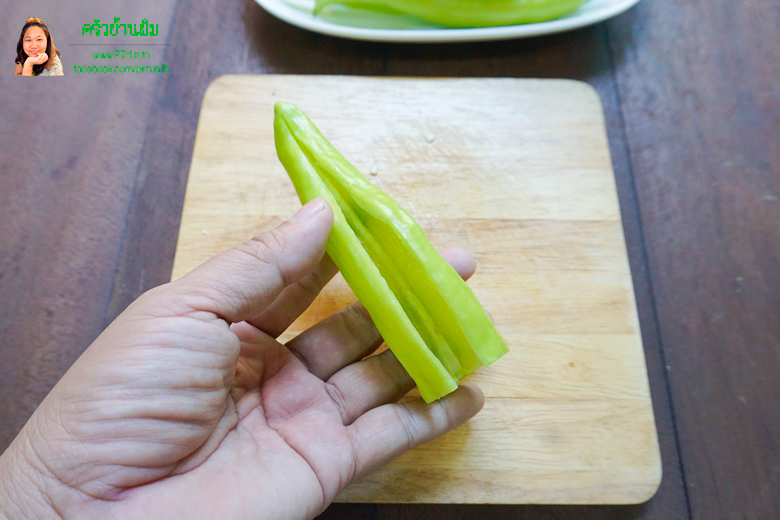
(362, 275)
(392, 272)
(467, 13)
(440, 305)
(449, 300)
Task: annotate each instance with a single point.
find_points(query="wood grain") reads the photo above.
(568, 417)
(706, 159)
(70, 149)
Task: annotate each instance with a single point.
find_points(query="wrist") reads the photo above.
(23, 487)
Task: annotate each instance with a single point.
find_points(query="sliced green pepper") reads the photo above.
(426, 313)
(467, 13)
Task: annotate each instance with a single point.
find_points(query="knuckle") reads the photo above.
(356, 462)
(450, 418)
(360, 325)
(270, 242)
(411, 432)
(395, 372)
(311, 284)
(267, 248)
(291, 346)
(335, 394)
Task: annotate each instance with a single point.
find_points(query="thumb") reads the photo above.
(242, 281)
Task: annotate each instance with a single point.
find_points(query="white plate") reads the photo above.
(365, 25)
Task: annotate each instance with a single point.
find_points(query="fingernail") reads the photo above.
(309, 209)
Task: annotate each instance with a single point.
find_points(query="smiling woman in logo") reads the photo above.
(36, 54)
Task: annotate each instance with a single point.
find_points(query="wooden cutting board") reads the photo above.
(518, 172)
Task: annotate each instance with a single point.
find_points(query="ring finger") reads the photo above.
(364, 385)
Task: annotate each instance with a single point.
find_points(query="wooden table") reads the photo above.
(94, 170)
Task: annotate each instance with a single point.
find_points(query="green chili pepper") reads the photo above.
(426, 313)
(467, 13)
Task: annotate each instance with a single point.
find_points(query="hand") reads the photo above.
(36, 60)
(186, 406)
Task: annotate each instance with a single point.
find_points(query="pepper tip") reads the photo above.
(281, 107)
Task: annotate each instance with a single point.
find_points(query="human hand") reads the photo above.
(186, 406)
(37, 59)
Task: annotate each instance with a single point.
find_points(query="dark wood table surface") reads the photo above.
(93, 171)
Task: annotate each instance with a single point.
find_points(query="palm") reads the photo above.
(293, 414)
(280, 424)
